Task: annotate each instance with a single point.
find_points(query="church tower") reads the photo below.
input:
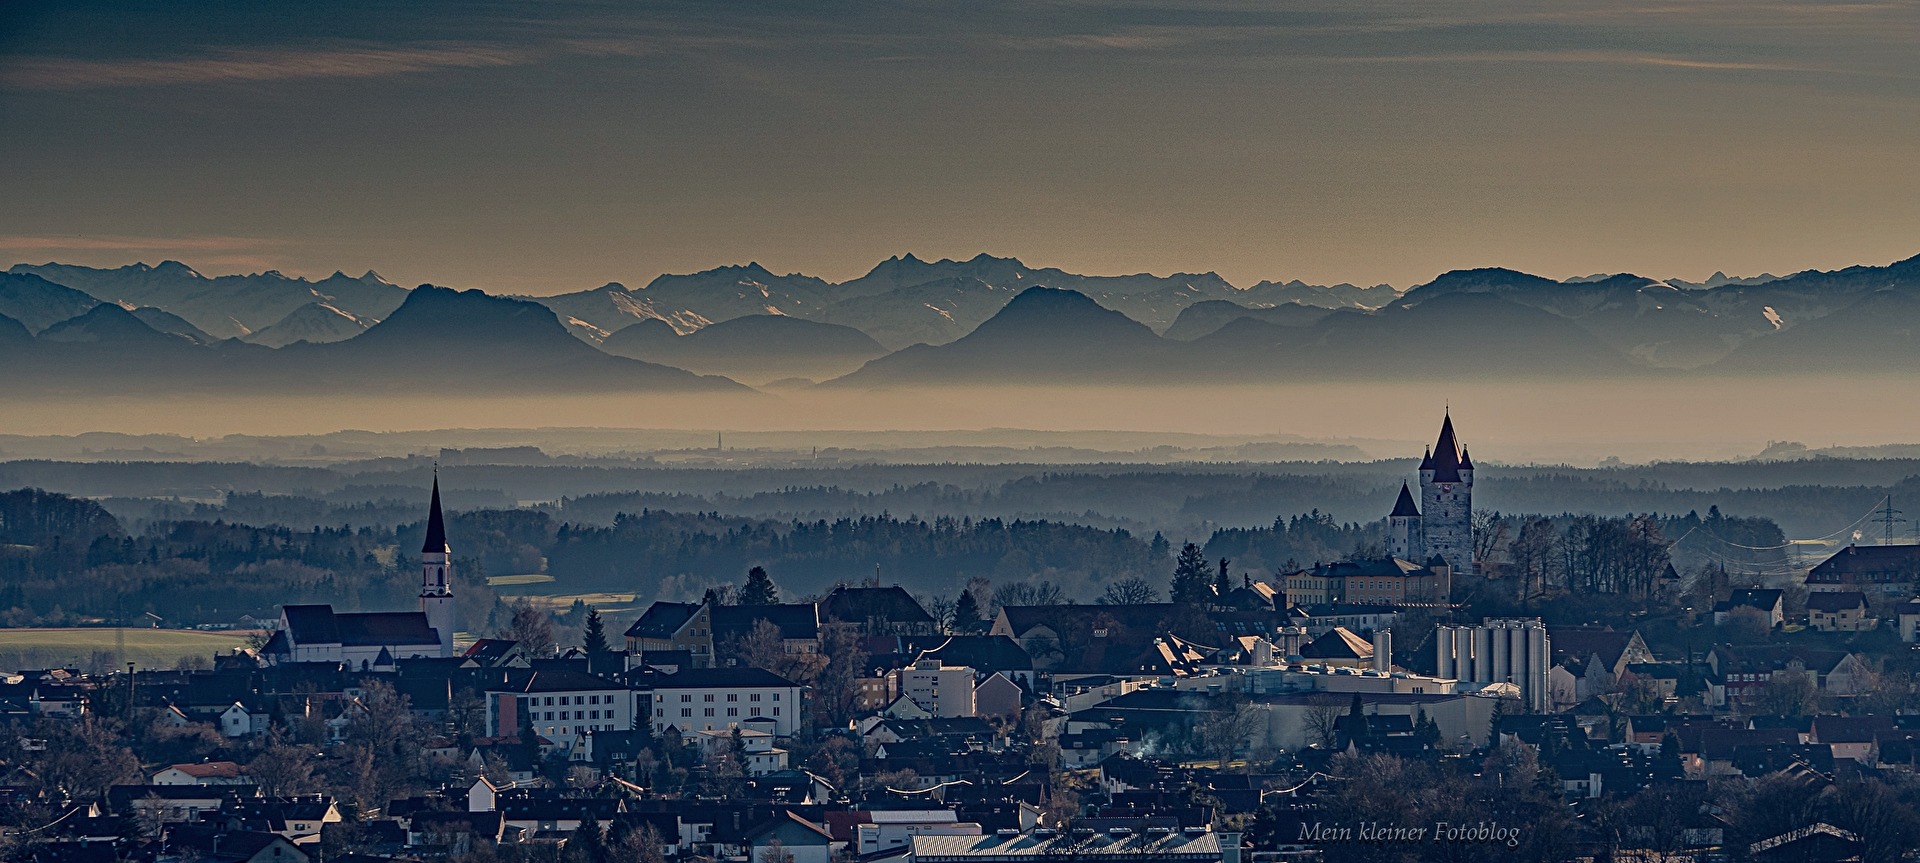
(436, 581)
(1446, 501)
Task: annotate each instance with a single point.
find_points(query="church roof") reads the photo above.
(1404, 506)
(1446, 454)
(1466, 461)
(436, 528)
(320, 624)
(1426, 461)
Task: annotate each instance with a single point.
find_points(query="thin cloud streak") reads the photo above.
(254, 66)
(118, 243)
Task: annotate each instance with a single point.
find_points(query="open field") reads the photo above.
(604, 601)
(518, 580)
(77, 646)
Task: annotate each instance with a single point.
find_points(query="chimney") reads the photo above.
(1383, 650)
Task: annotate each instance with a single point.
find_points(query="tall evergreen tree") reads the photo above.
(596, 637)
(1191, 580)
(1221, 587)
(966, 610)
(759, 589)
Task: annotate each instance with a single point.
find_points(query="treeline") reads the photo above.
(672, 551)
(1297, 542)
(63, 559)
(1808, 498)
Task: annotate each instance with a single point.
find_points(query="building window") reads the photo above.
(756, 711)
(549, 701)
(776, 711)
(684, 698)
(709, 711)
(686, 712)
(733, 711)
(707, 698)
(754, 697)
(733, 696)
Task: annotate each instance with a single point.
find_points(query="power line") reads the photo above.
(1852, 525)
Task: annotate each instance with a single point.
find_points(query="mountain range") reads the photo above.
(909, 322)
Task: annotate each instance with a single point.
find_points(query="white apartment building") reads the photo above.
(562, 706)
(706, 699)
(943, 691)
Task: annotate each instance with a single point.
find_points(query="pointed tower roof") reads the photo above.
(1446, 454)
(436, 526)
(1426, 461)
(1466, 461)
(1404, 506)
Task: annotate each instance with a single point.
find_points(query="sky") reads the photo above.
(551, 147)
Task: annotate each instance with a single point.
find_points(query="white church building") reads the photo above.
(365, 640)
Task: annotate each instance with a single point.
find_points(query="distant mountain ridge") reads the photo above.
(223, 306)
(908, 321)
(438, 342)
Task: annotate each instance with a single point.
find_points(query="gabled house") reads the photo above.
(1907, 617)
(876, 611)
(1882, 570)
(1839, 611)
(1593, 658)
(1733, 671)
(671, 626)
(1768, 601)
(797, 622)
(205, 773)
(789, 838)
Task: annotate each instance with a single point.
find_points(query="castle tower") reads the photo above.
(436, 579)
(1405, 537)
(1446, 501)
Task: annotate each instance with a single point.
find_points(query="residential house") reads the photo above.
(758, 756)
(1907, 614)
(1839, 611)
(1734, 671)
(876, 611)
(1768, 601)
(1852, 737)
(673, 626)
(789, 838)
(206, 773)
(798, 624)
(997, 695)
(1593, 659)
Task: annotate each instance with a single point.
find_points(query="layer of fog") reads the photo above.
(1576, 422)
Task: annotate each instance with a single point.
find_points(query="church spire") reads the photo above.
(1446, 454)
(436, 526)
(1404, 507)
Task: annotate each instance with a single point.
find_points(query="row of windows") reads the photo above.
(578, 714)
(687, 712)
(731, 696)
(553, 730)
(574, 699)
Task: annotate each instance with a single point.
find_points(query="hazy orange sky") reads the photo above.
(540, 148)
